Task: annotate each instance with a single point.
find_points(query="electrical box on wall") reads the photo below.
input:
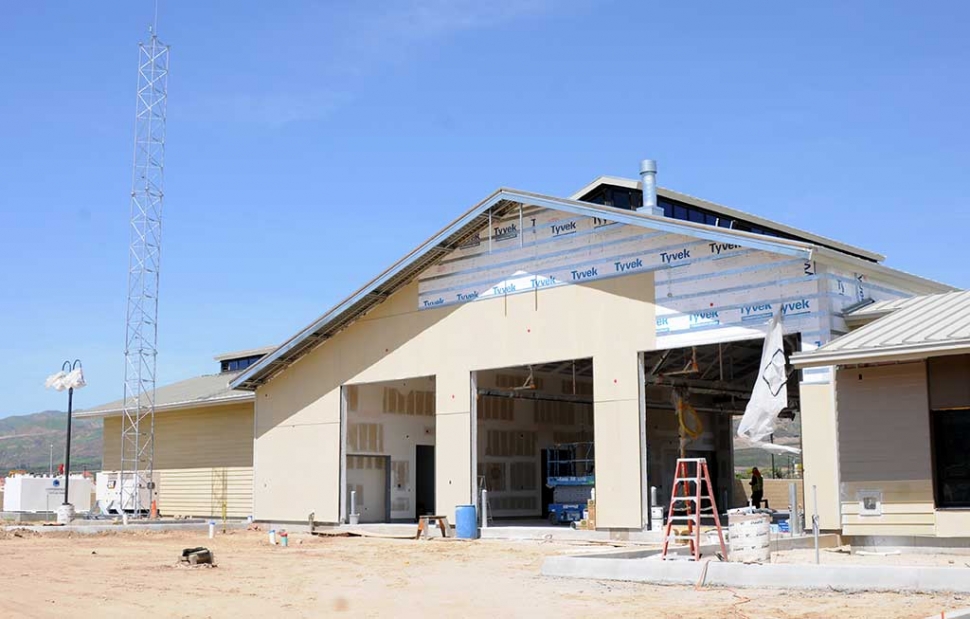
(870, 502)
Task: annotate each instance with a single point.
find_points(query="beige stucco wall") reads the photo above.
(298, 412)
(203, 456)
(820, 452)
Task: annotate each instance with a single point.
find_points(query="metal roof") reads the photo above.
(209, 390)
(914, 328)
(505, 201)
(242, 354)
(733, 214)
(453, 235)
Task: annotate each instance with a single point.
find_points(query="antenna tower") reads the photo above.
(141, 330)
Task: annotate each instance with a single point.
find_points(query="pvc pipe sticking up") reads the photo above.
(484, 508)
(815, 526)
(648, 179)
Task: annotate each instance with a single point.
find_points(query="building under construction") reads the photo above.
(531, 321)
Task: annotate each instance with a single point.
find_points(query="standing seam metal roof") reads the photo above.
(922, 326)
(206, 390)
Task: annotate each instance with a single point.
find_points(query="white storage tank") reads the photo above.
(42, 493)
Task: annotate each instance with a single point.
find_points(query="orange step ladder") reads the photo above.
(689, 504)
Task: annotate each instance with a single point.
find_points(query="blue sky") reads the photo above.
(311, 144)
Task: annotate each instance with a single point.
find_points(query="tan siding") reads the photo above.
(884, 430)
(195, 450)
(884, 446)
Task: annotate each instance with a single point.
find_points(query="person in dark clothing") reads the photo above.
(757, 487)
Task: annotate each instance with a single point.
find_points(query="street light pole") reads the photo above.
(70, 377)
(67, 448)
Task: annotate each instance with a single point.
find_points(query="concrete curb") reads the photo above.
(785, 576)
(959, 613)
(91, 529)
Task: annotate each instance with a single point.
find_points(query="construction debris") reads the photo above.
(197, 556)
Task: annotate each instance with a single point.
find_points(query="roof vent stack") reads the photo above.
(648, 178)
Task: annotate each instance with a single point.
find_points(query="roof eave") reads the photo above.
(174, 406)
(731, 212)
(274, 362)
(239, 354)
(889, 354)
(921, 285)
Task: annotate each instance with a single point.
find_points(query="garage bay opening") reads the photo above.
(694, 397)
(534, 442)
(389, 450)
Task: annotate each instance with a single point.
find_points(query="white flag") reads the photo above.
(770, 394)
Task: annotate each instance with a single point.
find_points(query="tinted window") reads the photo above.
(621, 199)
(951, 454)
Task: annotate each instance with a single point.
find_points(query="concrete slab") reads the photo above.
(28, 516)
(785, 576)
(708, 550)
(570, 534)
(911, 543)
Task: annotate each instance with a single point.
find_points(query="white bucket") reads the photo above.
(750, 538)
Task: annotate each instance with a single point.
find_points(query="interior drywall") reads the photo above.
(388, 419)
(512, 432)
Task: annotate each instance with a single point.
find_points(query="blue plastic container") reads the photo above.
(466, 522)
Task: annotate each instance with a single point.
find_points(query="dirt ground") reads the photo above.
(136, 575)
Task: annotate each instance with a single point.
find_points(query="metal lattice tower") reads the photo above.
(141, 331)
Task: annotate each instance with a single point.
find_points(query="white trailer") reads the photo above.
(43, 493)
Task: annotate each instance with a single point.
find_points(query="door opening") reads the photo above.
(424, 479)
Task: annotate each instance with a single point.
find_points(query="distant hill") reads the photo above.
(25, 442)
(787, 432)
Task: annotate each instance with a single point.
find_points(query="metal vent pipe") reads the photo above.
(648, 178)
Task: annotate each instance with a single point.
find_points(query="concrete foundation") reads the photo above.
(910, 543)
(28, 516)
(515, 532)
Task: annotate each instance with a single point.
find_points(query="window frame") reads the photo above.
(938, 433)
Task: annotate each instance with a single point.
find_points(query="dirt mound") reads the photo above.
(17, 533)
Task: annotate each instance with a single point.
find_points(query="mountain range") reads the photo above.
(25, 442)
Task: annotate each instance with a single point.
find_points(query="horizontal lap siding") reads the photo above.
(194, 449)
(199, 492)
(884, 446)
